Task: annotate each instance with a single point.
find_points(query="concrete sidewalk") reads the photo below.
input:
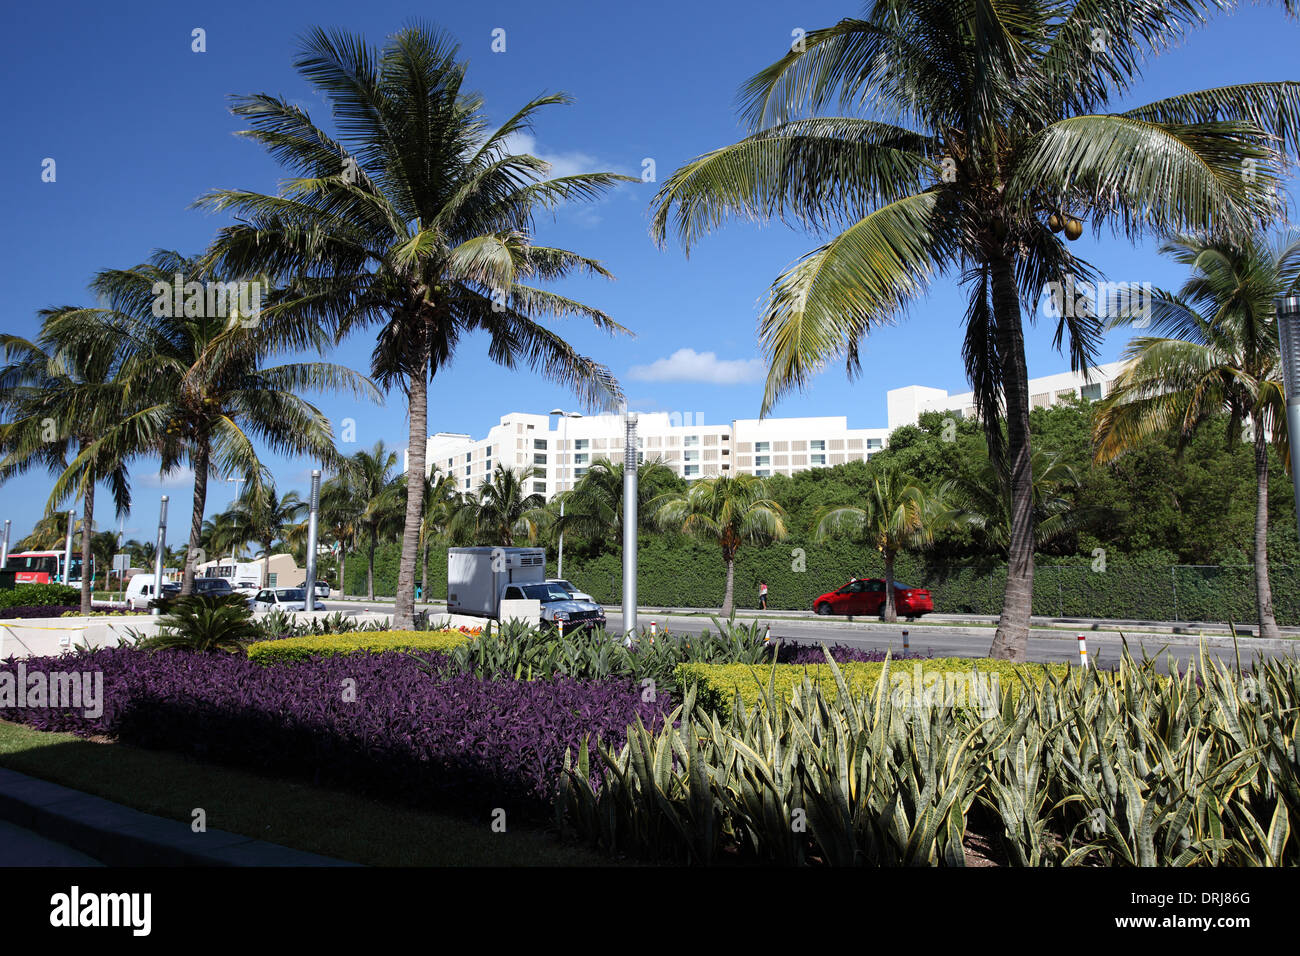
(117, 835)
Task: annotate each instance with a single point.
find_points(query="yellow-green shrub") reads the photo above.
(292, 649)
(717, 684)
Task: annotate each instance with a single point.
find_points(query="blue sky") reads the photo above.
(138, 125)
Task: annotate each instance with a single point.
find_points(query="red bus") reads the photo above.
(44, 567)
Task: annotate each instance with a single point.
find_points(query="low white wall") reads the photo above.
(50, 636)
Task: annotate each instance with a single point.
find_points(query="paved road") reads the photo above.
(956, 641)
(19, 847)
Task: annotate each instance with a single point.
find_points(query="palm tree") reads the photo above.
(377, 496)
(260, 514)
(340, 517)
(897, 514)
(504, 508)
(728, 511)
(202, 387)
(982, 502)
(1214, 348)
(969, 135)
(416, 218)
(141, 552)
(594, 506)
(57, 402)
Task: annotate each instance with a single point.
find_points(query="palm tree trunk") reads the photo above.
(266, 564)
(1011, 640)
(890, 612)
(1263, 590)
(201, 453)
(87, 526)
(343, 569)
(404, 610)
(424, 571)
(370, 568)
(728, 598)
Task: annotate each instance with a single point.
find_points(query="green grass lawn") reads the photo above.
(330, 822)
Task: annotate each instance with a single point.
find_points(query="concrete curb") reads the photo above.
(120, 836)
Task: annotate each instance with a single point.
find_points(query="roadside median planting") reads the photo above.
(298, 649)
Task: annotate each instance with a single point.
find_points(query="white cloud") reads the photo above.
(182, 477)
(570, 163)
(688, 365)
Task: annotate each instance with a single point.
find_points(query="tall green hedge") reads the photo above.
(679, 572)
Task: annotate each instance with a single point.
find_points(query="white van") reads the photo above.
(140, 591)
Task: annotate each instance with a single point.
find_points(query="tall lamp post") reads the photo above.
(564, 441)
(629, 527)
(4, 546)
(67, 549)
(158, 554)
(1288, 328)
(309, 584)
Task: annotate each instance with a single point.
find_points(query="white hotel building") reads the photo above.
(562, 449)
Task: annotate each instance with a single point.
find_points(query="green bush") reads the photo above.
(36, 595)
(716, 685)
(205, 623)
(295, 649)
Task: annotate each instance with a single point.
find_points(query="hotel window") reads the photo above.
(579, 472)
(466, 484)
(763, 473)
(450, 462)
(690, 456)
(539, 487)
(539, 459)
(581, 444)
(818, 459)
(1092, 392)
(761, 460)
(761, 446)
(467, 471)
(691, 471)
(817, 444)
(691, 441)
(468, 455)
(580, 459)
(874, 444)
(539, 443)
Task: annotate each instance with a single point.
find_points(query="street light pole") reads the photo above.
(158, 555)
(4, 546)
(67, 550)
(629, 527)
(1288, 328)
(310, 583)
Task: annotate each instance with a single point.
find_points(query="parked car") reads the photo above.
(322, 589)
(558, 608)
(867, 596)
(286, 599)
(213, 586)
(573, 592)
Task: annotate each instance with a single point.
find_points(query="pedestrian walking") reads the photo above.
(762, 595)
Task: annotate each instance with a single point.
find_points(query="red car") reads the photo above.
(867, 596)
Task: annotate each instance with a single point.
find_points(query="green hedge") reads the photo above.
(680, 572)
(717, 684)
(296, 649)
(36, 595)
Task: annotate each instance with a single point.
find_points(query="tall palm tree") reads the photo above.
(1213, 349)
(982, 501)
(377, 496)
(968, 135)
(593, 508)
(504, 508)
(57, 402)
(260, 514)
(416, 218)
(897, 514)
(727, 511)
(202, 387)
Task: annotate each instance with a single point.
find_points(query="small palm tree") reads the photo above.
(982, 502)
(1214, 350)
(897, 515)
(340, 516)
(727, 511)
(504, 509)
(442, 500)
(260, 514)
(377, 497)
(418, 219)
(58, 401)
(932, 138)
(202, 388)
(206, 624)
(593, 508)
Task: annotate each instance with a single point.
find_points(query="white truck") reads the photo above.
(505, 583)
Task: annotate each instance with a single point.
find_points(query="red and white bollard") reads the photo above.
(906, 643)
(654, 629)
(1083, 652)
(767, 635)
